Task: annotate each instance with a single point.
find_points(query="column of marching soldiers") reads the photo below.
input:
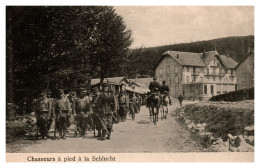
(89, 111)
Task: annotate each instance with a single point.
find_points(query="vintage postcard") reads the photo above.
(130, 84)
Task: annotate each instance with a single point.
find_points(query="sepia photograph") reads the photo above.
(111, 81)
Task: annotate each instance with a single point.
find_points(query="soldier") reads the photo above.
(164, 89)
(154, 86)
(106, 103)
(82, 111)
(62, 114)
(48, 91)
(72, 98)
(138, 102)
(96, 110)
(122, 106)
(116, 115)
(43, 112)
(132, 105)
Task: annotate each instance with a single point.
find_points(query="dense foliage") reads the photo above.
(221, 121)
(63, 46)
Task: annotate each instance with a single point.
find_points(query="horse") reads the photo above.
(164, 106)
(153, 102)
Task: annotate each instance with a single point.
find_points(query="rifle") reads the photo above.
(55, 129)
(102, 122)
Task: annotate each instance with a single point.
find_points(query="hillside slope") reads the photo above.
(142, 60)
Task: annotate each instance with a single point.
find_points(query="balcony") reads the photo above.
(215, 74)
(195, 74)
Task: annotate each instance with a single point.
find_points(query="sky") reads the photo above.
(156, 26)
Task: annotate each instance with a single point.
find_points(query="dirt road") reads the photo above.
(138, 136)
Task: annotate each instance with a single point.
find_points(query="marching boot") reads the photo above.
(103, 137)
(99, 133)
(64, 136)
(60, 135)
(109, 134)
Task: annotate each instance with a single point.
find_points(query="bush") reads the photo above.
(244, 94)
(220, 120)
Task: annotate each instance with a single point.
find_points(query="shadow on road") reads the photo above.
(143, 122)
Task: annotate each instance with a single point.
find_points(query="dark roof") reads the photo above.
(115, 80)
(209, 56)
(251, 53)
(228, 62)
(186, 58)
(198, 59)
(140, 81)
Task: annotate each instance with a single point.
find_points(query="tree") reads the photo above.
(62, 46)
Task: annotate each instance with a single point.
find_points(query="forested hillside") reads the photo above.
(142, 60)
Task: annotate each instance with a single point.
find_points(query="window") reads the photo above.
(176, 69)
(160, 72)
(205, 89)
(169, 81)
(168, 70)
(194, 79)
(225, 88)
(176, 79)
(218, 89)
(231, 88)
(212, 89)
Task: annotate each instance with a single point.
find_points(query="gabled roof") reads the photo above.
(142, 81)
(186, 58)
(228, 62)
(115, 80)
(251, 53)
(198, 59)
(209, 56)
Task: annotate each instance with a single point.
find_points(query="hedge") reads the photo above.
(244, 94)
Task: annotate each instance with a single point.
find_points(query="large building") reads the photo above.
(197, 75)
(245, 72)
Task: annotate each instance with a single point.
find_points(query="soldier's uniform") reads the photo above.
(106, 103)
(138, 102)
(116, 115)
(52, 108)
(82, 109)
(122, 106)
(164, 90)
(132, 106)
(62, 114)
(96, 109)
(154, 86)
(43, 112)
